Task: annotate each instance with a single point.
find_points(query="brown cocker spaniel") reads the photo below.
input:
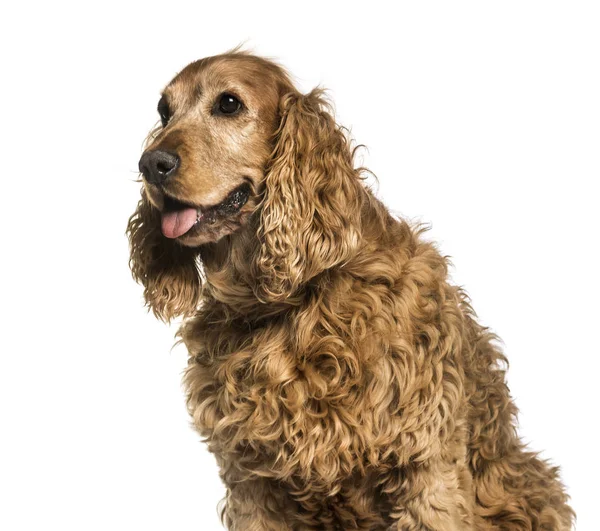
(338, 377)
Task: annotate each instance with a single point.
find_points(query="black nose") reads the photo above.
(156, 165)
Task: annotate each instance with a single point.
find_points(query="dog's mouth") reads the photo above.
(179, 218)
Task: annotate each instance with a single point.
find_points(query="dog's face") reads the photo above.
(239, 142)
(203, 170)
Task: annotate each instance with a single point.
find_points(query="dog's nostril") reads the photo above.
(164, 167)
(165, 162)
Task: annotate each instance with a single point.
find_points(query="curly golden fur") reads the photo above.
(338, 377)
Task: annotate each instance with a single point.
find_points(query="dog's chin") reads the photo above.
(202, 233)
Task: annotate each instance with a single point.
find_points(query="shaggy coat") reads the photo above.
(337, 376)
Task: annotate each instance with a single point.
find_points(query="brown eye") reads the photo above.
(228, 104)
(164, 111)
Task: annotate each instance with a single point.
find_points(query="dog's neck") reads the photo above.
(229, 265)
(229, 277)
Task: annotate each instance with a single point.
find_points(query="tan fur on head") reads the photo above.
(340, 379)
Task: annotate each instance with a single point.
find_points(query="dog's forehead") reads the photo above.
(225, 71)
(254, 76)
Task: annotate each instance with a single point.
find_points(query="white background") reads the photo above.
(481, 118)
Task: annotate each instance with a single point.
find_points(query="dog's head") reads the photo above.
(203, 169)
(237, 140)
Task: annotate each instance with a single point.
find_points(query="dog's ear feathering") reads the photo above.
(310, 218)
(167, 270)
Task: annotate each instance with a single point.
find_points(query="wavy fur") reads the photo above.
(338, 377)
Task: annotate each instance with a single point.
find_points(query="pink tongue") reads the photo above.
(174, 224)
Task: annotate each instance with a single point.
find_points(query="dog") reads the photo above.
(339, 378)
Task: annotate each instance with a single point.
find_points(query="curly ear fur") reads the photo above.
(166, 269)
(310, 217)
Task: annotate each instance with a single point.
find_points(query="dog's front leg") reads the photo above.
(257, 505)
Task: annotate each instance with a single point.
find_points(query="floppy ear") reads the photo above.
(310, 219)
(166, 269)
